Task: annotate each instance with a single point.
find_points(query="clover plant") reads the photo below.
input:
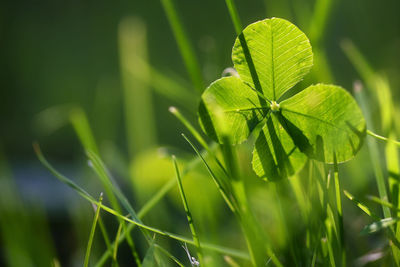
(321, 122)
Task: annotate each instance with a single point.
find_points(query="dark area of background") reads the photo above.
(57, 52)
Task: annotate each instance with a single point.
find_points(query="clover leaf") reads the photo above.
(322, 122)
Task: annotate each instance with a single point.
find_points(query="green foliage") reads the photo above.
(322, 122)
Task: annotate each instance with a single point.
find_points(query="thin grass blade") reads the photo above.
(234, 16)
(92, 231)
(361, 205)
(185, 47)
(187, 211)
(217, 182)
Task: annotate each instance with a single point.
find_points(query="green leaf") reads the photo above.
(323, 121)
(272, 55)
(230, 107)
(275, 155)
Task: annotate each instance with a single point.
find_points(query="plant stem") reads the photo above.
(379, 137)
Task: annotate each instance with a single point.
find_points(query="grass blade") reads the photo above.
(139, 117)
(61, 177)
(87, 196)
(339, 211)
(361, 205)
(92, 231)
(234, 16)
(185, 48)
(358, 61)
(105, 235)
(115, 262)
(149, 259)
(82, 128)
(101, 170)
(152, 202)
(196, 135)
(189, 126)
(373, 148)
(173, 90)
(81, 125)
(319, 20)
(383, 203)
(188, 213)
(379, 225)
(217, 182)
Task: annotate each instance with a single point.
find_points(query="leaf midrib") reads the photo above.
(245, 109)
(272, 61)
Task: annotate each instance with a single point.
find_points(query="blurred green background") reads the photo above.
(60, 55)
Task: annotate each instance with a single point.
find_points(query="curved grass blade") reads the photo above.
(152, 202)
(189, 126)
(82, 128)
(115, 262)
(196, 135)
(187, 211)
(92, 231)
(105, 176)
(361, 205)
(217, 182)
(87, 196)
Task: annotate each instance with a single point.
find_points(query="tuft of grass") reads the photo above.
(88, 197)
